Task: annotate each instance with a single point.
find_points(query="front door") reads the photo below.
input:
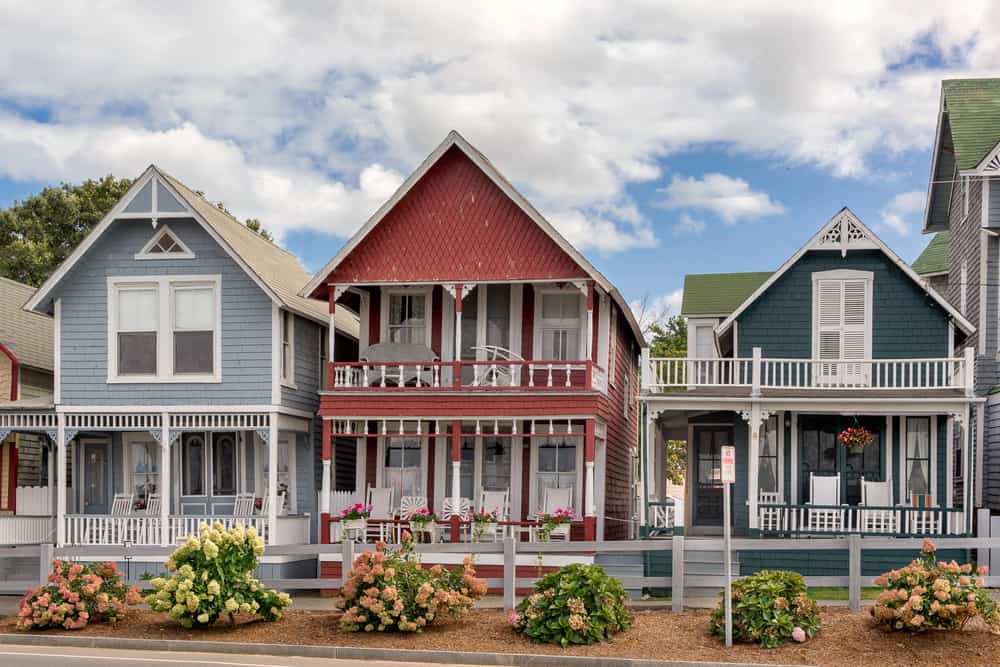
(822, 454)
(707, 464)
(96, 477)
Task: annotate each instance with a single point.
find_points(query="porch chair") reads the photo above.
(497, 502)
(878, 494)
(243, 506)
(824, 490)
(498, 374)
(380, 499)
(111, 530)
(401, 364)
(770, 517)
(463, 510)
(339, 501)
(557, 499)
(408, 506)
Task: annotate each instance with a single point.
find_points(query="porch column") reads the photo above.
(753, 460)
(331, 338)
(967, 483)
(324, 494)
(456, 471)
(591, 352)
(164, 487)
(590, 507)
(272, 479)
(457, 368)
(60, 479)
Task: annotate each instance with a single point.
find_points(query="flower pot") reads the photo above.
(357, 526)
(856, 449)
(484, 529)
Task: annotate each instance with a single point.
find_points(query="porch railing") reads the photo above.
(757, 373)
(467, 375)
(19, 529)
(102, 529)
(782, 519)
(664, 516)
(144, 530)
(184, 525)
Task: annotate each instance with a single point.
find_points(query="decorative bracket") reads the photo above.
(959, 418)
(746, 415)
(264, 434)
(339, 290)
(4, 432)
(581, 285)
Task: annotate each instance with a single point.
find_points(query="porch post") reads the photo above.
(967, 483)
(272, 479)
(331, 338)
(591, 353)
(165, 480)
(753, 491)
(60, 479)
(590, 508)
(456, 379)
(324, 496)
(456, 471)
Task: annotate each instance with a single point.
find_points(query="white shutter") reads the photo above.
(829, 295)
(842, 326)
(855, 330)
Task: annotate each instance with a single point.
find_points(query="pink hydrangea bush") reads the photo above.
(77, 594)
(931, 594)
(389, 590)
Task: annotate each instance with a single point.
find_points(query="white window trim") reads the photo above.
(904, 483)
(288, 379)
(164, 335)
(537, 322)
(145, 253)
(692, 335)
(533, 500)
(963, 288)
(843, 274)
(206, 464)
(389, 292)
(380, 468)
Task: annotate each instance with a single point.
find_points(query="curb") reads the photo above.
(349, 652)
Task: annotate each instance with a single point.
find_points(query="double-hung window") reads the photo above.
(403, 466)
(842, 321)
(407, 318)
(164, 329)
(917, 462)
(557, 464)
(560, 325)
(287, 348)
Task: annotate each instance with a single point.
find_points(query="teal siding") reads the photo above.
(833, 563)
(906, 322)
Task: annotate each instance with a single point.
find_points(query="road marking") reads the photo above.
(141, 658)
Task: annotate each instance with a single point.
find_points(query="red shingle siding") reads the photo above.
(455, 224)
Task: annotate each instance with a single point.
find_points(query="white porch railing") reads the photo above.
(858, 519)
(26, 529)
(143, 530)
(103, 529)
(182, 526)
(669, 372)
(506, 374)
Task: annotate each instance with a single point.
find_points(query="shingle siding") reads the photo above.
(246, 322)
(307, 371)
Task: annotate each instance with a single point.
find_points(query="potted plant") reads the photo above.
(483, 523)
(856, 438)
(553, 520)
(355, 518)
(423, 523)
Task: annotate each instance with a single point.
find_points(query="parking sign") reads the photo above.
(728, 464)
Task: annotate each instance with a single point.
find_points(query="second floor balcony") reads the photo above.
(759, 374)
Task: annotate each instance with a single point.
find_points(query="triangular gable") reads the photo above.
(845, 232)
(457, 219)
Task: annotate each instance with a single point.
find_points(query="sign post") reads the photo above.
(728, 479)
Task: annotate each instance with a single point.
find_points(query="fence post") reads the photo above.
(509, 573)
(677, 573)
(46, 555)
(983, 530)
(854, 572)
(346, 559)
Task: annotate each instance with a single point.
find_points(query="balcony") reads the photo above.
(779, 375)
(506, 375)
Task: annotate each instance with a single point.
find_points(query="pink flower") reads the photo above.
(798, 634)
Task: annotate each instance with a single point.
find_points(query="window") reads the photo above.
(403, 467)
(407, 318)
(286, 465)
(560, 325)
(138, 322)
(193, 464)
(143, 469)
(842, 324)
(165, 245)
(917, 466)
(767, 469)
(164, 329)
(962, 288)
(287, 348)
(704, 343)
(498, 315)
(224, 464)
(556, 464)
(496, 463)
(466, 470)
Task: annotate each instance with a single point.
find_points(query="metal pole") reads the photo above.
(727, 554)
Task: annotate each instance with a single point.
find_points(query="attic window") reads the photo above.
(165, 245)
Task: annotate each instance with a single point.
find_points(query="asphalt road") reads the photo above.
(43, 656)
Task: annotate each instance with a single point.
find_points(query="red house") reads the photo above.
(494, 361)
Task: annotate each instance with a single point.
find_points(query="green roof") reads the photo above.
(934, 258)
(973, 107)
(719, 293)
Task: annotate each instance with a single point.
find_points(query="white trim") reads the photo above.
(949, 499)
(145, 254)
(984, 241)
(56, 352)
(934, 159)
(164, 286)
(847, 215)
(540, 292)
(692, 335)
(963, 291)
(288, 377)
(965, 197)
(455, 139)
(275, 354)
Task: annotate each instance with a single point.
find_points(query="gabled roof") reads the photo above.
(277, 271)
(718, 294)
(973, 108)
(27, 335)
(317, 287)
(934, 259)
(845, 232)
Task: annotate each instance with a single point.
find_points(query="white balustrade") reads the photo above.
(847, 519)
(26, 529)
(104, 529)
(183, 525)
(669, 372)
(472, 374)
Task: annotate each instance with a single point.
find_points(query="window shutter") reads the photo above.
(828, 300)
(842, 329)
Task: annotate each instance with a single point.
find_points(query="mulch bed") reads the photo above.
(846, 638)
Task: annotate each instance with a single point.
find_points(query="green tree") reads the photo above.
(37, 234)
(668, 338)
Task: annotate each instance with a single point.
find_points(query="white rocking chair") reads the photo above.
(557, 499)
(825, 491)
(878, 494)
(380, 499)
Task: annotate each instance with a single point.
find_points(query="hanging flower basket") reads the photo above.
(856, 438)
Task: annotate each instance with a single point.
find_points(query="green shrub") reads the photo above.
(213, 576)
(770, 608)
(927, 594)
(577, 604)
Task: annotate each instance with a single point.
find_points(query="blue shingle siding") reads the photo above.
(906, 322)
(307, 372)
(246, 322)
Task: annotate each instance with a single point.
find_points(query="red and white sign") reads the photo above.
(728, 464)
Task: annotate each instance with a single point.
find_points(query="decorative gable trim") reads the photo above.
(845, 232)
(165, 244)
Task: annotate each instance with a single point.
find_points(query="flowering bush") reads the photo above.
(76, 594)
(929, 594)
(388, 590)
(555, 519)
(770, 608)
(356, 511)
(212, 576)
(577, 604)
(855, 437)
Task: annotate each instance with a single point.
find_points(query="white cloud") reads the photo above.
(652, 309)
(686, 225)
(899, 214)
(729, 198)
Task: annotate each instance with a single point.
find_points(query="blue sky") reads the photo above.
(661, 140)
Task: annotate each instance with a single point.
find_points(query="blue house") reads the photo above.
(843, 383)
(186, 376)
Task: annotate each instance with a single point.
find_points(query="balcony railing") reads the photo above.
(756, 373)
(467, 375)
(781, 519)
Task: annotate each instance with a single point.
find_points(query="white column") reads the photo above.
(949, 465)
(967, 483)
(753, 456)
(164, 486)
(980, 452)
(458, 322)
(590, 504)
(331, 335)
(794, 458)
(272, 479)
(60, 479)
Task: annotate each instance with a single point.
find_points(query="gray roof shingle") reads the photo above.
(27, 335)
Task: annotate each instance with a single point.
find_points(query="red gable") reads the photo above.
(455, 225)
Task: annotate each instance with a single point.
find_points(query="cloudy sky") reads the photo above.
(662, 138)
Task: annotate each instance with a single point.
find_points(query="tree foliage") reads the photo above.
(668, 338)
(38, 233)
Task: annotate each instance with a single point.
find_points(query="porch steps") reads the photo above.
(704, 563)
